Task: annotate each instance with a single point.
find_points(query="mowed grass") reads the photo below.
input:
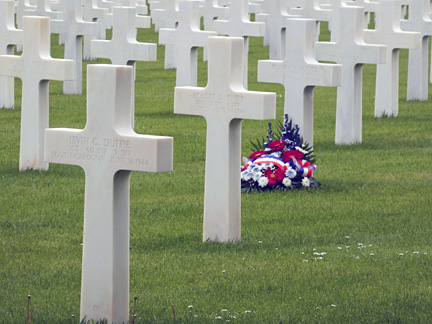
(358, 250)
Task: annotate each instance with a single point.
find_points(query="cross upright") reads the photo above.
(91, 12)
(275, 30)
(123, 48)
(108, 150)
(224, 103)
(419, 20)
(351, 52)
(35, 67)
(186, 39)
(369, 7)
(10, 36)
(20, 6)
(239, 25)
(72, 29)
(167, 18)
(300, 72)
(388, 32)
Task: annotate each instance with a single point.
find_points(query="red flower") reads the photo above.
(277, 145)
(289, 155)
(274, 176)
(256, 155)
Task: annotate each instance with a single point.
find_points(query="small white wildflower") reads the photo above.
(259, 242)
(360, 244)
(248, 312)
(401, 254)
(305, 182)
(276, 249)
(262, 182)
(357, 257)
(190, 306)
(314, 249)
(218, 317)
(320, 258)
(415, 252)
(286, 182)
(224, 310)
(347, 237)
(347, 247)
(234, 317)
(223, 271)
(333, 305)
(425, 253)
(372, 253)
(302, 253)
(339, 247)
(305, 260)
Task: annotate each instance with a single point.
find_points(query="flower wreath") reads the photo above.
(284, 164)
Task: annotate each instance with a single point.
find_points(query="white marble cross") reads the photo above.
(419, 20)
(387, 32)
(369, 7)
(239, 25)
(20, 6)
(210, 10)
(186, 39)
(10, 36)
(224, 103)
(108, 150)
(299, 73)
(43, 9)
(91, 12)
(71, 29)
(167, 18)
(35, 67)
(352, 52)
(275, 30)
(123, 48)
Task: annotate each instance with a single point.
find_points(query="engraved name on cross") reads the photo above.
(108, 150)
(224, 103)
(35, 68)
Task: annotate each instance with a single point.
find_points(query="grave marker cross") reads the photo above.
(299, 73)
(35, 68)
(224, 102)
(419, 20)
(352, 52)
(71, 30)
(186, 39)
(275, 30)
(10, 36)
(123, 48)
(108, 150)
(388, 32)
(239, 25)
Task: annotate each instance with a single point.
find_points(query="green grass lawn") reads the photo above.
(358, 250)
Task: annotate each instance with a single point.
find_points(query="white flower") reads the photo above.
(256, 176)
(305, 182)
(291, 173)
(262, 182)
(286, 182)
(254, 168)
(190, 306)
(246, 175)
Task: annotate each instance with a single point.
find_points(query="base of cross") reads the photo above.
(279, 164)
